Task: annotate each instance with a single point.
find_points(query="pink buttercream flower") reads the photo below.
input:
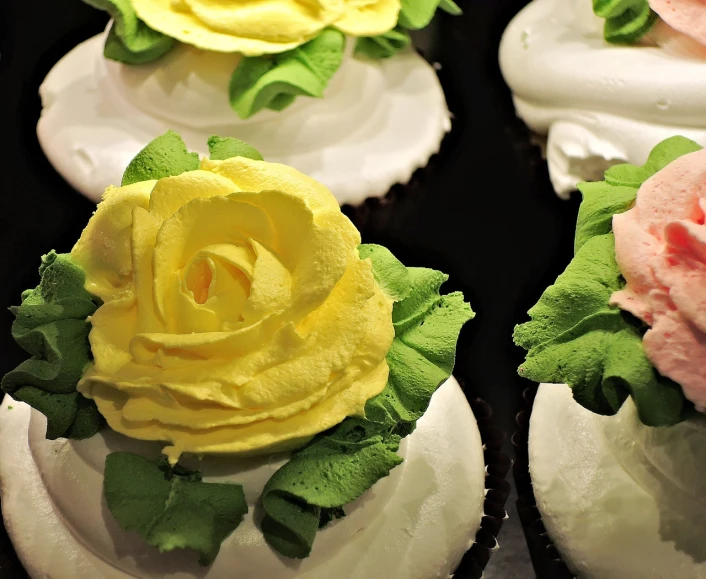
(685, 16)
(660, 246)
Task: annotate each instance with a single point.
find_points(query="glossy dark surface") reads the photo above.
(483, 211)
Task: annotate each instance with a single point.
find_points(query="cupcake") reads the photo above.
(328, 89)
(605, 82)
(223, 382)
(616, 458)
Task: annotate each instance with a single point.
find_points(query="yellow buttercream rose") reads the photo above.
(256, 27)
(237, 315)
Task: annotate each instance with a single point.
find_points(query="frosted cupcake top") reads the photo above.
(626, 318)
(226, 306)
(288, 48)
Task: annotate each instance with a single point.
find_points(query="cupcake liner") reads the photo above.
(497, 488)
(546, 560)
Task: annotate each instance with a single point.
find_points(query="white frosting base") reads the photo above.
(378, 122)
(597, 103)
(417, 523)
(619, 499)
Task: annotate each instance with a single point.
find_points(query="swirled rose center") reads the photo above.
(661, 250)
(198, 279)
(220, 273)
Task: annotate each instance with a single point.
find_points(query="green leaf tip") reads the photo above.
(129, 39)
(275, 81)
(165, 156)
(390, 274)
(383, 46)
(417, 14)
(626, 21)
(52, 326)
(221, 148)
(171, 508)
(338, 466)
(575, 336)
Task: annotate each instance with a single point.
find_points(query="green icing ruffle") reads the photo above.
(274, 81)
(171, 507)
(130, 40)
(575, 336)
(626, 21)
(341, 464)
(417, 14)
(52, 326)
(165, 156)
(383, 46)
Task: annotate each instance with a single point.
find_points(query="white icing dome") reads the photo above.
(598, 104)
(189, 88)
(417, 523)
(620, 500)
(357, 140)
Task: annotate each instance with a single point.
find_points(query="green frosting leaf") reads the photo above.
(384, 45)
(274, 81)
(390, 274)
(663, 154)
(171, 507)
(165, 156)
(340, 465)
(416, 14)
(221, 148)
(601, 201)
(626, 20)
(52, 326)
(575, 336)
(130, 40)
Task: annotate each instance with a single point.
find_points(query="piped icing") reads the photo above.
(239, 314)
(286, 48)
(263, 26)
(660, 246)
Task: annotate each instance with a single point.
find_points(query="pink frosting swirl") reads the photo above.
(685, 16)
(660, 246)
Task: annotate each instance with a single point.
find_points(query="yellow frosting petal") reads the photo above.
(103, 250)
(250, 27)
(250, 175)
(238, 315)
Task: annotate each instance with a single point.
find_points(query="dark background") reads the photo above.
(483, 210)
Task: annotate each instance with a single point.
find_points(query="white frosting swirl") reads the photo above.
(598, 104)
(416, 523)
(620, 500)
